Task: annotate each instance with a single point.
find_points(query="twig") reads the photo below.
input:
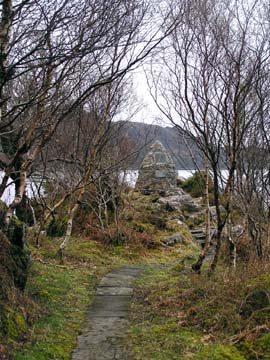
(237, 338)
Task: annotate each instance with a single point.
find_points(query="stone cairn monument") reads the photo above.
(157, 173)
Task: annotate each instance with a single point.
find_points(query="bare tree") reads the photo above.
(50, 51)
(214, 62)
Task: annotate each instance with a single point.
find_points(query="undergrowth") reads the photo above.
(183, 315)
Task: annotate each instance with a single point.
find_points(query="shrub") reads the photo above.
(24, 213)
(195, 185)
(57, 226)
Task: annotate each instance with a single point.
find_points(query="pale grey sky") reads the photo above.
(149, 112)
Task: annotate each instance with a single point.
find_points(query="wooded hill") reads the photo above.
(172, 138)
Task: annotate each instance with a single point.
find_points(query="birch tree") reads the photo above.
(209, 84)
(51, 49)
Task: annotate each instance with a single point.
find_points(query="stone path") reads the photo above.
(107, 321)
(200, 238)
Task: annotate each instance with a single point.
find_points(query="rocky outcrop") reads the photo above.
(179, 200)
(172, 240)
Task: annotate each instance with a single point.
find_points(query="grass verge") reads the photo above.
(180, 315)
(57, 296)
(63, 295)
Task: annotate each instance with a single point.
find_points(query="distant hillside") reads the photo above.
(170, 137)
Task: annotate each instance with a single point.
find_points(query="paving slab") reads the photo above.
(106, 290)
(117, 281)
(110, 303)
(107, 320)
(127, 270)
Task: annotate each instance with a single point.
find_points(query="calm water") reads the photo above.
(130, 178)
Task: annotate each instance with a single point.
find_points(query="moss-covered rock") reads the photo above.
(20, 254)
(16, 232)
(21, 261)
(3, 209)
(6, 266)
(13, 274)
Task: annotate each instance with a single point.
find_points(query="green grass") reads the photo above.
(64, 295)
(187, 317)
(162, 341)
(156, 332)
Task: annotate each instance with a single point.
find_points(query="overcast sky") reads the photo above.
(149, 112)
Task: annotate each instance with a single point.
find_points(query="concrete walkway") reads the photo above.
(107, 322)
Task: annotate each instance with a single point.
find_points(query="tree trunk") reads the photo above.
(198, 265)
(267, 252)
(5, 28)
(220, 224)
(47, 216)
(72, 214)
(17, 199)
(231, 243)
(74, 209)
